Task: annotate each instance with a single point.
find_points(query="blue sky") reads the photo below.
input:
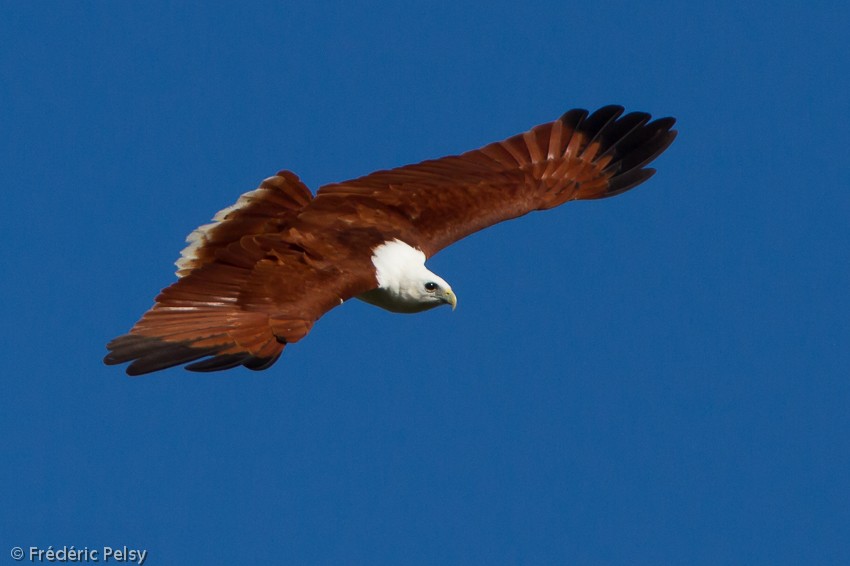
(658, 378)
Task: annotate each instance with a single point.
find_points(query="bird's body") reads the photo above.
(268, 267)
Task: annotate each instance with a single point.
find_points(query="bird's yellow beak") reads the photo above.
(451, 298)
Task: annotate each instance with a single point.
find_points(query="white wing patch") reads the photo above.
(201, 234)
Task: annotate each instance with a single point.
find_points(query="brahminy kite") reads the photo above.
(267, 268)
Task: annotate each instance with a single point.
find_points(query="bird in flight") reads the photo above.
(267, 268)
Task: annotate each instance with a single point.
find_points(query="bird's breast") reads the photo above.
(394, 302)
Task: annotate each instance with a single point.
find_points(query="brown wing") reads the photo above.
(440, 201)
(243, 298)
(265, 210)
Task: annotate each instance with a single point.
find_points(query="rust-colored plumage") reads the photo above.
(261, 275)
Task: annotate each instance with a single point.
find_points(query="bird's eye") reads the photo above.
(431, 286)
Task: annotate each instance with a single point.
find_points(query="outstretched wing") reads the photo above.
(580, 156)
(244, 295)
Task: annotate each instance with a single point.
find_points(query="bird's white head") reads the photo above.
(404, 283)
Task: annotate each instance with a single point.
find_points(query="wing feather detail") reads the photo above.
(580, 156)
(267, 209)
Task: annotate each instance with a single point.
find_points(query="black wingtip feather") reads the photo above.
(163, 355)
(219, 363)
(599, 120)
(574, 118)
(630, 180)
(616, 137)
(148, 354)
(632, 141)
(259, 364)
